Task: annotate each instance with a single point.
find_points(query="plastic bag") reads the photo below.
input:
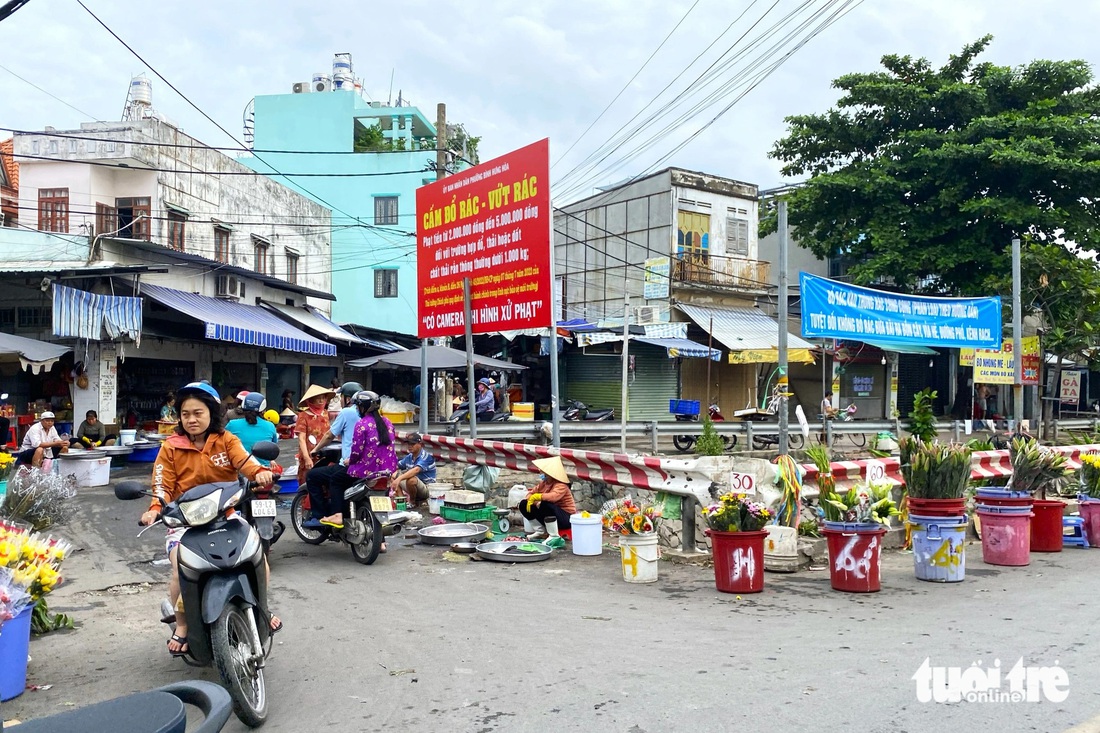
(480, 478)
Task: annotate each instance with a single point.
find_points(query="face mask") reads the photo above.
(542, 477)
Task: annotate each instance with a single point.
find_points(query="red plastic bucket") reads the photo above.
(1046, 526)
(1090, 512)
(1006, 538)
(738, 561)
(937, 507)
(855, 559)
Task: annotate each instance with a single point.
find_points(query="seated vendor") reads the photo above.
(41, 441)
(415, 471)
(92, 433)
(549, 504)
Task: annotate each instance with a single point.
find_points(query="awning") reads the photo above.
(32, 354)
(901, 348)
(439, 357)
(239, 323)
(751, 336)
(681, 347)
(80, 314)
(313, 320)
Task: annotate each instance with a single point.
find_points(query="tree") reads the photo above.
(921, 177)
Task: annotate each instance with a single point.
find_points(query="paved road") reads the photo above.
(418, 643)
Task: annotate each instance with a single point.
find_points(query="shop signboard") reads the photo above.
(833, 309)
(996, 366)
(657, 273)
(491, 224)
(1070, 392)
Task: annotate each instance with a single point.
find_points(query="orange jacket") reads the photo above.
(181, 466)
(556, 492)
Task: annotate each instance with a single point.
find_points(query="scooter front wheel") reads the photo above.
(298, 514)
(231, 644)
(683, 443)
(367, 551)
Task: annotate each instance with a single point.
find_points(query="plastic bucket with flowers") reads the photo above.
(855, 523)
(634, 521)
(736, 529)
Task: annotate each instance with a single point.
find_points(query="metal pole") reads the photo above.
(555, 408)
(1017, 336)
(440, 172)
(626, 374)
(710, 346)
(782, 381)
(471, 388)
(424, 400)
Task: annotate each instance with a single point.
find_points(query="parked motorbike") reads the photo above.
(685, 443)
(223, 585)
(156, 711)
(462, 413)
(577, 411)
(365, 529)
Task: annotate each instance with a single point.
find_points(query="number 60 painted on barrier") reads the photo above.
(742, 482)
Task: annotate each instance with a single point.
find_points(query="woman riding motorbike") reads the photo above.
(200, 451)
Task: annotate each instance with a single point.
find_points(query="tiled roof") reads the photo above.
(11, 169)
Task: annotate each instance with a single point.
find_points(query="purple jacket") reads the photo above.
(368, 458)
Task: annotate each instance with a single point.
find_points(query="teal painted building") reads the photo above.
(388, 150)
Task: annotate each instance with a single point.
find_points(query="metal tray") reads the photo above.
(496, 551)
(448, 534)
(117, 450)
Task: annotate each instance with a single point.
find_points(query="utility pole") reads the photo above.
(1017, 337)
(626, 374)
(440, 172)
(471, 390)
(782, 381)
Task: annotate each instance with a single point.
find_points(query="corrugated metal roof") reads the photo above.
(313, 320)
(742, 329)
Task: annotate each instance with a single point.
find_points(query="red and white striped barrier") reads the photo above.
(847, 473)
(676, 476)
(1073, 453)
(990, 464)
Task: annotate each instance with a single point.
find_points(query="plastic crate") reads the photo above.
(467, 515)
(683, 407)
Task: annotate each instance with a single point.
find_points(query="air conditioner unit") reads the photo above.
(229, 287)
(647, 314)
(323, 85)
(302, 87)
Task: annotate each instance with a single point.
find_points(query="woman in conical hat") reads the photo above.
(549, 504)
(313, 422)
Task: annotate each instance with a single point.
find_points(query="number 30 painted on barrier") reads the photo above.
(743, 482)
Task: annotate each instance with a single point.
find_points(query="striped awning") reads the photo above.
(749, 334)
(239, 323)
(681, 347)
(80, 314)
(313, 320)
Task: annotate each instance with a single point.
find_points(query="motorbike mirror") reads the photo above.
(266, 450)
(127, 490)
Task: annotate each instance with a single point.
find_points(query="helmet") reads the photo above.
(486, 381)
(272, 417)
(254, 402)
(350, 389)
(202, 390)
(366, 401)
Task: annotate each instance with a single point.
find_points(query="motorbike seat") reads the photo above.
(597, 414)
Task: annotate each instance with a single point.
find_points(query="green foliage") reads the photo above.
(922, 176)
(922, 420)
(869, 504)
(933, 470)
(709, 443)
(43, 622)
(808, 528)
(370, 139)
(1035, 468)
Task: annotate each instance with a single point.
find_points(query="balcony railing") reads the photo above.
(700, 268)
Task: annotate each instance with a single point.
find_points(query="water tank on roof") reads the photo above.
(343, 80)
(341, 64)
(141, 90)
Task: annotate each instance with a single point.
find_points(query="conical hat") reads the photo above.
(315, 391)
(553, 468)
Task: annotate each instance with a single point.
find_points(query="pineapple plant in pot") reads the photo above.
(1037, 471)
(934, 507)
(855, 522)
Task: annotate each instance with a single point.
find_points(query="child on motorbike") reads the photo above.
(201, 451)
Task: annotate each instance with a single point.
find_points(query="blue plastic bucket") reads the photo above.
(939, 548)
(994, 493)
(15, 641)
(997, 509)
(850, 526)
(145, 454)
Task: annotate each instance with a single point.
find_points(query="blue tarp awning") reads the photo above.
(239, 323)
(80, 314)
(901, 348)
(681, 347)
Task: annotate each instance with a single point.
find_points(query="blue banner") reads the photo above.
(836, 310)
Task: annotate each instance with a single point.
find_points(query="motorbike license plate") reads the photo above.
(263, 507)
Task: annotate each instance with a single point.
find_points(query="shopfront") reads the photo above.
(143, 385)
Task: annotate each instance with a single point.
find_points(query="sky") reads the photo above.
(516, 72)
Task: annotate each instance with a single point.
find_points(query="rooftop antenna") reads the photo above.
(389, 97)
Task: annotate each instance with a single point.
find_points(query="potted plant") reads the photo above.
(736, 528)
(635, 522)
(1036, 469)
(936, 476)
(855, 523)
(1089, 497)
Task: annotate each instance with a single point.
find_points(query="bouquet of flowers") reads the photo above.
(41, 500)
(870, 504)
(29, 570)
(630, 516)
(1090, 475)
(7, 462)
(737, 513)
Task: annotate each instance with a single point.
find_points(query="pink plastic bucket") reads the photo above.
(1090, 512)
(1006, 538)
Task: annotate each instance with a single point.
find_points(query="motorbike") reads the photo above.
(685, 443)
(260, 513)
(368, 514)
(577, 411)
(462, 412)
(156, 711)
(223, 585)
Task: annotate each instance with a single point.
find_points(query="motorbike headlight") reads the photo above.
(200, 511)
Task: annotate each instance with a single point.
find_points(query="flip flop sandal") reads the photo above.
(182, 641)
(334, 525)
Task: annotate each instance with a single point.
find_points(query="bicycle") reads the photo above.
(859, 440)
(795, 439)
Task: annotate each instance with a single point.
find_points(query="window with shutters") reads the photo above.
(53, 209)
(292, 267)
(133, 217)
(221, 244)
(385, 210)
(262, 250)
(105, 219)
(176, 223)
(737, 237)
(385, 283)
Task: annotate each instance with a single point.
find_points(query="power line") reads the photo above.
(127, 166)
(54, 96)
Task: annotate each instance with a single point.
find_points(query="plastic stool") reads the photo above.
(1073, 532)
(13, 441)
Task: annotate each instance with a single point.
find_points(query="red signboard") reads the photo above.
(490, 223)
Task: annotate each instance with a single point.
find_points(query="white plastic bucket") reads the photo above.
(87, 472)
(436, 493)
(639, 556)
(587, 534)
(127, 437)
